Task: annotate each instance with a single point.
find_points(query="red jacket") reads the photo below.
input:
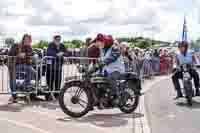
(93, 52)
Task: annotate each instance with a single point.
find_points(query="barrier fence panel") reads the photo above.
(54, 72)
(16, 76)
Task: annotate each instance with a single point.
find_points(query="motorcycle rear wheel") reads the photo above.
(131, 108)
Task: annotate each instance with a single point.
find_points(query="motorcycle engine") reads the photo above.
(104, 92)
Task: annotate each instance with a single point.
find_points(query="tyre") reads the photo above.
(75, 100)
(189, 92)
(129, 108)
(189, 101)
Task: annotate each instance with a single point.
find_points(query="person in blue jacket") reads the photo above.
(55, 52)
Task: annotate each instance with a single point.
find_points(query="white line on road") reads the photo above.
(24, 125)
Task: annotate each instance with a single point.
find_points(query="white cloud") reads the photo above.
(160, 19)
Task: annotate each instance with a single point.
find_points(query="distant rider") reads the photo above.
(185, 56)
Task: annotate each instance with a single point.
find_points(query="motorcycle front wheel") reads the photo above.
(131, 103)
(189, 92)
(74, 100)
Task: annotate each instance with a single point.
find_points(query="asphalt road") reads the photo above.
(47, 117)
(166, 115)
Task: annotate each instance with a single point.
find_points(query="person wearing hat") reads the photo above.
(94, 49)
(185, 56)
(111, 62)
(56, 50)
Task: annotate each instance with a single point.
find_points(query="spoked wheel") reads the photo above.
(131, 102)
(74, 100)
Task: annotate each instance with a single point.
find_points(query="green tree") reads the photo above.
(9, 42)
(41, 44)
(143, 44)
(77, 43)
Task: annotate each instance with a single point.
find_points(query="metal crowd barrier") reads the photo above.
(12, 75)
(48, 75)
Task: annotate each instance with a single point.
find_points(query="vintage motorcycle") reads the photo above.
(90, 90)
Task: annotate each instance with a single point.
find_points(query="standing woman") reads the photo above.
(21, 60)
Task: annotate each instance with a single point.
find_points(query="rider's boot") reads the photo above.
(197, 92)
(179, 95)
(100, 106)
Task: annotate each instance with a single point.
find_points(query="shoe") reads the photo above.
(138, 93)
(91, 108)
(13, 99)
(100, 106)
(197, 93)
(180, 95)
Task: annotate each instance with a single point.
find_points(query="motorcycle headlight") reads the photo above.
(184, 67)
(186, 75)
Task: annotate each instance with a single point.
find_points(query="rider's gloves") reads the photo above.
(101, 65)
(97, 67)
(60, 54)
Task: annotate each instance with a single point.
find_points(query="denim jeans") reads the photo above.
(29, 72)
(13, 87)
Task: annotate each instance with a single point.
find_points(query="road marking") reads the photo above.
(103, 130)
(141, 124)
(24, 125)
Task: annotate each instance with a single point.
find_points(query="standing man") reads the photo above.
(55, 51)
(84, 53)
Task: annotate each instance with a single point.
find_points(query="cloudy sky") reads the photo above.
(158, 19)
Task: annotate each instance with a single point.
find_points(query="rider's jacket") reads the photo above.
(113, 60)
(185, 59)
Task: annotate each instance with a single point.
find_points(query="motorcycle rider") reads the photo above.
(111, 63)
(185, 56)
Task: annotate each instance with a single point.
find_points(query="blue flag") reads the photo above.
(184, 34)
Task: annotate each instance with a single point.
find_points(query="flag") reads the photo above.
(184, 34)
